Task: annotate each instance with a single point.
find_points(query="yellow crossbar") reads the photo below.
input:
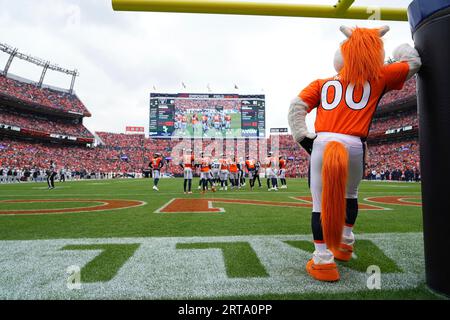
(342, 10)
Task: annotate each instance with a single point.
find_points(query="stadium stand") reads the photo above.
(42, 124)
(45, 98)
(32, 112)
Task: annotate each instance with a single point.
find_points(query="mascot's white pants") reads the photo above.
(355, 149)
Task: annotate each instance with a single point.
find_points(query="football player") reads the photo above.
(187, 164)
(256, 176)
(228, 122)
(234, 173)
(272, 183)
(282, 173)
(155, 165)
(51, 174)
(217, 122)
(223, 174)
(241, 167)
(205, 175)
(215, 172)
(250, 165)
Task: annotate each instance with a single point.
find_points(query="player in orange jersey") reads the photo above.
(227, 119)
(156, 164)
(234, 173)
(205, 176)
(223, 173)
(194, 119)
(250, 165)
(216, 120)
(282, 172)
(345, 106)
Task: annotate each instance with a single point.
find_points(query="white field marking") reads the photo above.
(164, 206)
(211, 206)
(46, 188)
(389, 181)
(378, 207)
(381, 208)
(409, 201)
(301, 200)
(36, 269)
(392, 186)
(95, 204)
(142, 203)
(394, 204)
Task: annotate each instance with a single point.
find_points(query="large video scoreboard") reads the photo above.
(207, 115)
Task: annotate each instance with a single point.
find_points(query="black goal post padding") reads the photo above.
(430, 24)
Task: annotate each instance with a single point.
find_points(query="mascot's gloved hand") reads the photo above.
(405, 52)
(296, 117)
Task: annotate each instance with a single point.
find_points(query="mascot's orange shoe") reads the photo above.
(345, 250)
(323, 272)
(322, 267)
(343, 253)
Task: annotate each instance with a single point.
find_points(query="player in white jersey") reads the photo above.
(271, 172)
(215, 171)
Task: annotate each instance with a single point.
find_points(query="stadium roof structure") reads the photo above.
(343, 9)
(14, 53)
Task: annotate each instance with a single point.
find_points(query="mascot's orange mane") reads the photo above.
(363, 55)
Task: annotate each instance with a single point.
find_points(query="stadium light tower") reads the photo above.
(14, 53)
(430, 24)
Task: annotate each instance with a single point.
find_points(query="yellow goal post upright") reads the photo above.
(430, 22)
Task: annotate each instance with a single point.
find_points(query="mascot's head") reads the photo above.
(360, 58)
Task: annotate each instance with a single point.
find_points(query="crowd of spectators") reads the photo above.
(398, 96)
(394, 121)
(130, 154)
(72, 127)
(121, 140)
(44, 97)
(22, 154)
(394, 161)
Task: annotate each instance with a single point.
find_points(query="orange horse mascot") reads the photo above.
(345, 106)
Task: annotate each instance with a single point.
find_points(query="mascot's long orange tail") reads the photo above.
(334, 181)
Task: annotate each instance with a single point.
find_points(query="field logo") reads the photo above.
(183, 205)
(97, 205)
(199, 267)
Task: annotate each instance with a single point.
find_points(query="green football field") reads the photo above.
(119, 239)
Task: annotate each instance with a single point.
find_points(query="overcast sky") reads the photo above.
(122, 55)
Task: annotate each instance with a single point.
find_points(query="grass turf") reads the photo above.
(237, 220)
(143, 222)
